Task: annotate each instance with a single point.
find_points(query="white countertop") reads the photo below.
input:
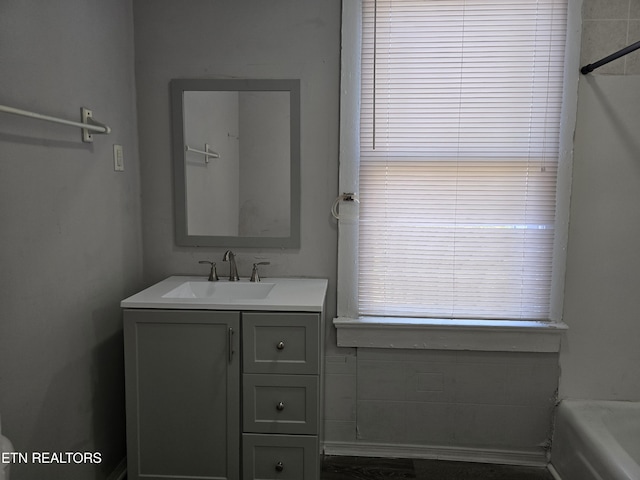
(288, 294)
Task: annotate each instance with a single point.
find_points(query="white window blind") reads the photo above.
(460, 124)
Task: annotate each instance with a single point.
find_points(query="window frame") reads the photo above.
(479, 334)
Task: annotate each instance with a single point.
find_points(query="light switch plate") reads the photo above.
(118, 158)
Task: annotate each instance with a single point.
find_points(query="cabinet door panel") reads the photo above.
(280, 457)
(182, 385)
(280, 404)
(280, 343)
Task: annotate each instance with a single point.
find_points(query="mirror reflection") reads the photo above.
(236, 162)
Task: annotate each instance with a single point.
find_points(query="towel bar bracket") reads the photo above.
(87, 118)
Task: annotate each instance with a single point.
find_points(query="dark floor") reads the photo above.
(360, 468)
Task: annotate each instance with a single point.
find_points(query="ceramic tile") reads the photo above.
(381, 380)
(340, 399)
(455, 398)
(533, 384)
(633, 59)
(336, 431)
(601, 38)
(406, 355)
(430, 383)
(340, 364)
(605, 9)
(381, 421)
(481, 384)
(431, 424)
(476, 425)
(524, 426)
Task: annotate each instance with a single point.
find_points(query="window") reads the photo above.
(460, 114)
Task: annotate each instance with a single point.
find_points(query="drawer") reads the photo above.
(280, 343)
(281, 457)
(280, 404)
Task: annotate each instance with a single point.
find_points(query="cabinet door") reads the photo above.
(182, 378)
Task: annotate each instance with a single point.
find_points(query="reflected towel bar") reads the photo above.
(620, 53)
(206, 152)
(86, 117)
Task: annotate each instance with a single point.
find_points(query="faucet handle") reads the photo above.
(255, 277)
(213, 275)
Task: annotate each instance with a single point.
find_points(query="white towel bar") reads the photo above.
(86, 117)
(206, 152)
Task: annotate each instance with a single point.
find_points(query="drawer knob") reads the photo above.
(279, 467)
(280, 346)
(280, 406)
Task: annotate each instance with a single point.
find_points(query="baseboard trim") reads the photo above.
(120, 472)
(532, 458)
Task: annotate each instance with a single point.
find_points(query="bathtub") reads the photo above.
(596, 440)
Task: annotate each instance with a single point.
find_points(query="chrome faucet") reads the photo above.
(230, 257)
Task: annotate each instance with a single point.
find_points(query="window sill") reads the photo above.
(434, 334)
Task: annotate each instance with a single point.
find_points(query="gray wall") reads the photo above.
(70, 244)
(248, 39)
(600, 357)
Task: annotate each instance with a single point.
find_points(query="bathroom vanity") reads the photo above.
(224, 379)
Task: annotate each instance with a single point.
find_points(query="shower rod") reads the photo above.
(620, 53)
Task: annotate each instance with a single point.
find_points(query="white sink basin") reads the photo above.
(195, 292)
(221, 290)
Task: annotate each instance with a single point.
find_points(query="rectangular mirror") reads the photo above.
(236, 158)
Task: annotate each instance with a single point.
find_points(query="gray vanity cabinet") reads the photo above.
(182, 373)
(215, 394)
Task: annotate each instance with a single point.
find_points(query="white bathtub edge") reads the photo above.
(554, 473)
(584, 447)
